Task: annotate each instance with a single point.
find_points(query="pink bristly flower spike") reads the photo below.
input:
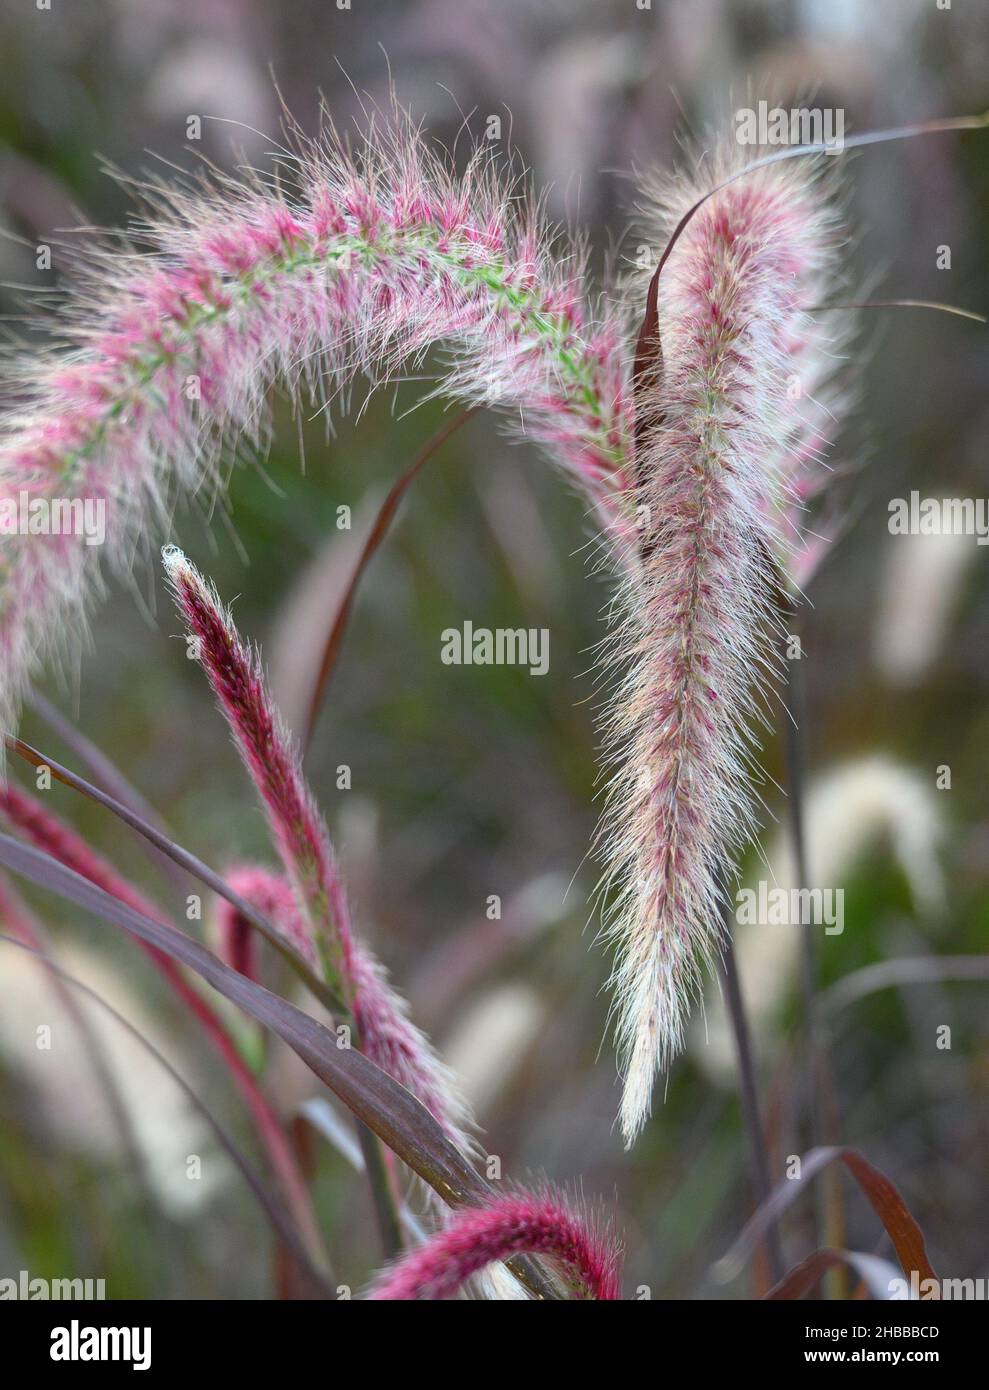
(741, 387)
(272, 896)
(521, 1223)
(162, 362)
(313, 912)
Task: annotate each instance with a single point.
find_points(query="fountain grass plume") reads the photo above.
(518, 1223)
(271, 894)
(353, 260)
(379, 1017)
(730, 419)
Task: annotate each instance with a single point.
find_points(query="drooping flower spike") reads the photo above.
(521, 1223)
(736, 398)
(317, 915)
(166, 356)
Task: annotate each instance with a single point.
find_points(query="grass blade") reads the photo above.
(107, 775)
(382, 521)
(895, 974)
(876, 1274)
(883, 1196)
(185, 859)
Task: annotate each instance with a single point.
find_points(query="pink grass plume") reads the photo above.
(317, 911)
(162, 359)
(741, 385)
(521, 1223)
(272, 896)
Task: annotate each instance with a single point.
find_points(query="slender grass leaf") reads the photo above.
(107, 775)
(876, 1274)
(378, 532)
(186, 860)
(889, 1206)
(908, 970)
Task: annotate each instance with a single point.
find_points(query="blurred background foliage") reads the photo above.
(470, 781)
